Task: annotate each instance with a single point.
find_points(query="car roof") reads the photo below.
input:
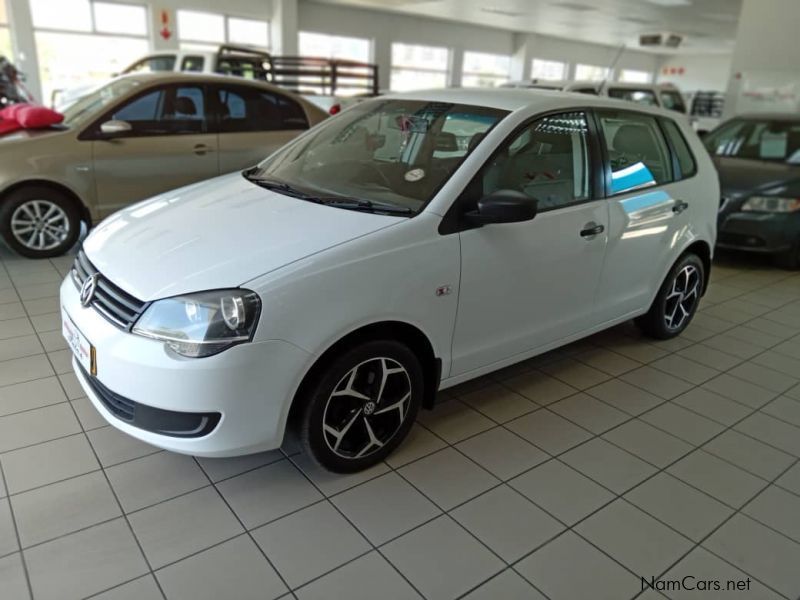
(513, 99)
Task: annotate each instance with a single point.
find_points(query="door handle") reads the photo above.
(201, 149)
(680, 206)
(591, 229)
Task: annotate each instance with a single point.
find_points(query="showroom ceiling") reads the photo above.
(708, 25)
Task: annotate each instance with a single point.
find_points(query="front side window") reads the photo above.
(643, 96)
(637, 151)
(387, 151)
(548, 161)
(672, 100)
(244, 109)
(757, 139)
(165, 111)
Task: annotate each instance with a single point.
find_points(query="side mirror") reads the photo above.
(503, 206)
(114, 128)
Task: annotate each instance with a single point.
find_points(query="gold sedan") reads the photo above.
(132, 138)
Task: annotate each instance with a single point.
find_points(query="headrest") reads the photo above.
(185, 106)
(633, 139)
(446, 142)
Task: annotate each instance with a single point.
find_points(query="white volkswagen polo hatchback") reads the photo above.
(409, 244)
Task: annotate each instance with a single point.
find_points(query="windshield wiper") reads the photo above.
(338, 201)
(363, 205)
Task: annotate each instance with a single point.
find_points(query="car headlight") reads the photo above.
(771, 204)
(202, 324)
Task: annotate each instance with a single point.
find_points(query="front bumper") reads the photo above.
(766, 233)
(250, 386)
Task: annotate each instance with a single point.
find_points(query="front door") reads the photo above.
(253, 123)
(169, 145)
(526, 285)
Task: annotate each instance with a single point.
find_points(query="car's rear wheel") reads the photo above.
(362, 405)
(39, 222)
(677, 299)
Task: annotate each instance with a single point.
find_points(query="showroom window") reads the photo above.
(485, 70)
(206, 31)
(634, 76)
(591, 72)
(335, 46)
(82, 42)
(419, 67)
(548, 69)
(5, 34)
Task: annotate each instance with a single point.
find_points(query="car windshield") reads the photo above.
(757, 139)
(641, 96)
(390, 152)
(98, 99)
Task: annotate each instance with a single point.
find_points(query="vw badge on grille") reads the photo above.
(88, 288)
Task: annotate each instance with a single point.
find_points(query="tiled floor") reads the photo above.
(567, 477)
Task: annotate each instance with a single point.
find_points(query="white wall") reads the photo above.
(700, 72)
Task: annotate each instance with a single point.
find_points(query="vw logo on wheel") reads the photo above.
(88, 288)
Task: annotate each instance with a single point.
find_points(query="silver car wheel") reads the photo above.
(366, 408)
(40, 224)
(682, 298)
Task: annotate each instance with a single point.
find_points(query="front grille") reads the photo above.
(109, 300)
(156, 420)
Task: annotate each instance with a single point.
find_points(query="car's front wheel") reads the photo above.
(677, 299)
(362, 405)
(39, 222)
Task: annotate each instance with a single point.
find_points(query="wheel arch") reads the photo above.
(703, 250)
(86, 216)
(401, 331)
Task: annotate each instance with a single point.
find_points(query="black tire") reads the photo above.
(388, 425)
(657, 323)
(68, 213)
(789, 259)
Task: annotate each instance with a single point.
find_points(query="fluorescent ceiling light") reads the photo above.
(671, 2)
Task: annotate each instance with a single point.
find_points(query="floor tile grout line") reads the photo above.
(105, 475)
(14, 523)
(339, 511)
(728, 519)
(247, 531)
(451, 446)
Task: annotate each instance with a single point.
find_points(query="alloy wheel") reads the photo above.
(367, 407)
(682, 298)
(40, 224)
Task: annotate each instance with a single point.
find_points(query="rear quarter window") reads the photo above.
(686, 163)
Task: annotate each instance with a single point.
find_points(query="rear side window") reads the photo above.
(636, 149)
(244, 109)
(681, 149)
(193, 64)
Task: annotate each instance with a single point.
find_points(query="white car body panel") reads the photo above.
(484, 298)
(227, 212)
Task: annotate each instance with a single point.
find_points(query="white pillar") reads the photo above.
(765, 56)
(283, 27)
(163, 28)
(382, 56)
(522, 55)
(456, 67)
(24, 44)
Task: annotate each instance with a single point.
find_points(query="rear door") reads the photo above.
(649, 210)
(169, 145)
(252, 123)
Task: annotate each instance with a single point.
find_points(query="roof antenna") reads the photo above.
(610, 69)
